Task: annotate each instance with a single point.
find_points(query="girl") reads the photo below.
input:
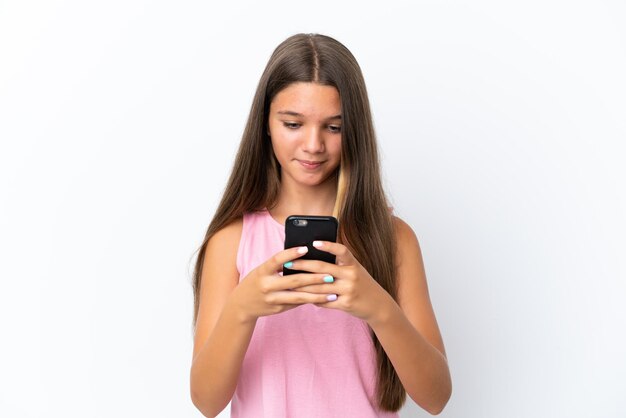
(348, 339)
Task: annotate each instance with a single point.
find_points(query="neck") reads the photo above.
(295, 199)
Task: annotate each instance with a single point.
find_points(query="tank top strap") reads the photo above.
(261, 237)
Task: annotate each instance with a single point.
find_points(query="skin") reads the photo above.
(228, 312)
(312, 137)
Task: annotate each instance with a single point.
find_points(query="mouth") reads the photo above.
(310, 164)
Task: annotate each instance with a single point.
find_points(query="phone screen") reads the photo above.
(301, 230)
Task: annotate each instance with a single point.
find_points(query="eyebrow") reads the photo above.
(292, 113)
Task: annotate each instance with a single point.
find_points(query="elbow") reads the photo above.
(206, 408)
(436, 403)
(442, 399)
(204, 403)
(197, 400)
(436, 410)
(435, 397)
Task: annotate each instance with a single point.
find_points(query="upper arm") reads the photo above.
(413, 296)
(219, 277)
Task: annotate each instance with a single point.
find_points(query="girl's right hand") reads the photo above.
(264, 292)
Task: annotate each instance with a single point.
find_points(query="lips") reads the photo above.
(310, 164)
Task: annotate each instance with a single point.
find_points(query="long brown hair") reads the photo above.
(365, 223)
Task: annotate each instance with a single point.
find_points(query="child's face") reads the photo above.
(314, 135)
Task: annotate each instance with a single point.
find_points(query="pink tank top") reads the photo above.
(306, 362)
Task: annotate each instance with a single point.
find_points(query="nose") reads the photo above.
(313, 141)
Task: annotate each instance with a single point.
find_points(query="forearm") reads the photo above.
(422, 368)
(215, 368)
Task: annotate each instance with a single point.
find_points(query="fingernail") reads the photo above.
(303, 250)
(329, 279)
(331, 298)
(317, 244)
(288, 264)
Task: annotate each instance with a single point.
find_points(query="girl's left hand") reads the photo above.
(357, 292)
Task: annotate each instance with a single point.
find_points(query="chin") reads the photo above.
(318, 180)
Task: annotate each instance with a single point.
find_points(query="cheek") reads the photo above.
(283, 147)
(334, 147)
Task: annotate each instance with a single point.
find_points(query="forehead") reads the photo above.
(309, 99)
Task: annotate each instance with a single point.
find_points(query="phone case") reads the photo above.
(298, 234)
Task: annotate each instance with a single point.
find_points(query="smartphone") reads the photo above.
(301, 230)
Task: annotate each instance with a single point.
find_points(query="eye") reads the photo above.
(293, 125)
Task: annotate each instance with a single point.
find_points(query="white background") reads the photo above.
(502, 132)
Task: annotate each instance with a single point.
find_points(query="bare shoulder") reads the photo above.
(227, 237)
(409, 254)
(413, 295)
(220, 256)
(401, 226)
(219, 277)
(406, 237)
(221, 250)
